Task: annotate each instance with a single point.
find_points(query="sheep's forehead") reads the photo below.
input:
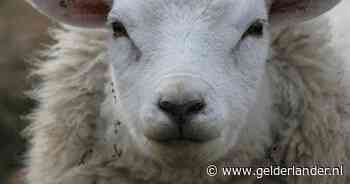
(152, 12)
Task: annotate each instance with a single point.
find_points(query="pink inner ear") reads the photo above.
(284, 12)
(86, 7)
(288, 5)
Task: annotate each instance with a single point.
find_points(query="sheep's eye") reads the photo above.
(256, 29)
(119, 30)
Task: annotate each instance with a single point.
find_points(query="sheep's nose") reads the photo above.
(181, 111)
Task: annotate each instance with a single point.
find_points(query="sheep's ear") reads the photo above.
(284, 12)
(82, 13)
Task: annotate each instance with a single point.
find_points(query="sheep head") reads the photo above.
(188, 74)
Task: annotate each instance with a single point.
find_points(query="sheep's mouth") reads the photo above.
(181, 140)
(182, 135)
(186, 132)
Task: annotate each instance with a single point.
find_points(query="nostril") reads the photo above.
(181, 110)
(167, 106)
(195, 107)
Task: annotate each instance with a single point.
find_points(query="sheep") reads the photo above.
(156, 91)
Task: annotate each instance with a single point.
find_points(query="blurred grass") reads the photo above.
(22, 30)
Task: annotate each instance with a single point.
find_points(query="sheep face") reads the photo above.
(186, 73)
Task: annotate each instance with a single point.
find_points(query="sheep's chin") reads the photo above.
(183, 153)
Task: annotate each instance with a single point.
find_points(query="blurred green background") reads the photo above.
(22, 31)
